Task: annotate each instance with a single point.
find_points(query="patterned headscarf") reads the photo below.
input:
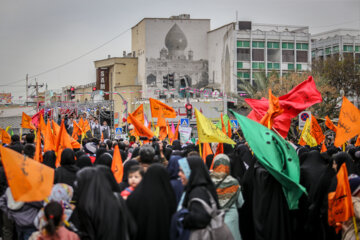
(227, 187)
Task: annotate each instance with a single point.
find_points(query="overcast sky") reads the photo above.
(39, 35)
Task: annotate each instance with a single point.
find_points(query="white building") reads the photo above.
(338, 42)
(238, 50)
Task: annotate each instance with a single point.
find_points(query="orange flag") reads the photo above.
(219, 149)
(316, 131)
(5, 136)
(139, 113)
(340, 204)
(229, 129)
(206, 151)
(63, 141)
(49, 141)
(330, 124)
(323, 147)
(56, 129)
(102, 137)
(161, 122)
(28, 180)
(42, 125)
(140, 129)
(169, 132)
(116, 165)
(26, 122)
(156, 105)
(349, 123)
(163, 133)
(76, 131)
(38, 152)
(81, 123)
(176, 137)
(222, 124)
(357, 141)
(86, 126)
(273, 111)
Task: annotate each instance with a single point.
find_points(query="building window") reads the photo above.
(298, 66)
(258, 44)
(312, 54)
(243, 54)
(335, 49)
(273, 55)
(288, 45)
(243, 44)
(258, 55)
(348, 48)
(258, 65)
(301, 56)
(302, 46)
(327, 51)
(275, 66)
(239, 65)
(273, 45)
(288, 56)
(357, 48)
(243, 75)
(290, 66)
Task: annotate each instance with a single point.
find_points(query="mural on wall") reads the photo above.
(176, 57)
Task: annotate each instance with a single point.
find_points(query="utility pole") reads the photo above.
(27, 88)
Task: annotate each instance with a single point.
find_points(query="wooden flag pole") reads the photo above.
(355, 228)
(200, 149)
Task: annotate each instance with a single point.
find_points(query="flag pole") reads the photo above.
(200, 149)
(355, 228)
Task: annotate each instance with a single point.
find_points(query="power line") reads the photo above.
(70, 61)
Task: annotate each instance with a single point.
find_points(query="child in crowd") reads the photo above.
(54, 229)
(135, 176)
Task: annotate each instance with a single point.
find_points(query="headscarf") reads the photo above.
(83, 161)
(99, 152)
(101, 214)
(240, 160)
(49, 159)
(152, 204)
(199, 177)
(176, 145)
(67, 157)
(104, 159)
(78, 154)
(343, 157)
(227, 187)
(61, 193)
(173, 167)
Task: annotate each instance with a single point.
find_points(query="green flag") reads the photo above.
(226, 119)
(276, 155)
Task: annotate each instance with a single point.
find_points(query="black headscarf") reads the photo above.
(49, 159)
(83, 161)
(78, 154)
(199, 177)
(176, 145)
(343, 157)
(152, 204)
(209, 159)
(124, 184)
(104, 159)
(99, 152)
(101, 214)
(67, 157)
(241, 155)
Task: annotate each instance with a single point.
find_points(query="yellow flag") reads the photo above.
(208, 132)
(306, 134)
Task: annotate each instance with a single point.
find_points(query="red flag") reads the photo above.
(35, 119)
(357, 143)
(298, 99)
(116, 165)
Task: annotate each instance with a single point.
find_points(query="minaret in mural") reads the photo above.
(176, 43)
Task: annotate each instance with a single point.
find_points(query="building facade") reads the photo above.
(246, 48)
(338, 43)
(175, 45)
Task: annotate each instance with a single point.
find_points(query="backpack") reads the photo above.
(216, 229)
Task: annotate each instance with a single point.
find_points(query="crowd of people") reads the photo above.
(169, 192)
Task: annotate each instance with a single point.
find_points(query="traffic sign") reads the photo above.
(303, 116)
(118, 131)
(184, 122)
(234, 123)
